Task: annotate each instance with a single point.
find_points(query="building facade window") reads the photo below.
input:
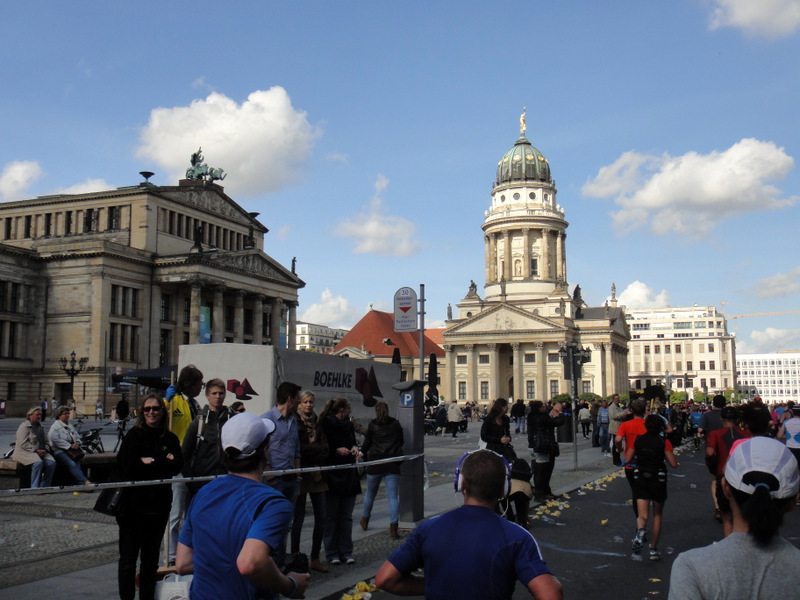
(530, 357)
(483, 359)
(553, 387)
(484, 390)
(530, 389)
(462, 390)
(461, 359)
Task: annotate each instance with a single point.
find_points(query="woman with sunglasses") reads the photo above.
(148, 452)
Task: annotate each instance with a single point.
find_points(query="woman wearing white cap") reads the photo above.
(762, 482)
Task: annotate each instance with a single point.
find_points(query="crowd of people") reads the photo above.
(232, 532)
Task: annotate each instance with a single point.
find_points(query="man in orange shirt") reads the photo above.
(628, 432)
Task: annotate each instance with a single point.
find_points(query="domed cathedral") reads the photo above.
(506, 343)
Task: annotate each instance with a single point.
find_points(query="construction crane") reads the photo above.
(758, 314)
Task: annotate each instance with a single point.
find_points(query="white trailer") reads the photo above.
(252, 374)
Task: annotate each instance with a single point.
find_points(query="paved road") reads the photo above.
(587, 542)
(40, 543)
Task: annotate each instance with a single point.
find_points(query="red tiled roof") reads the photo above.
(376, 326)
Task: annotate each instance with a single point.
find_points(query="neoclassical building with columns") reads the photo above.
(123, 277)
(506, 342)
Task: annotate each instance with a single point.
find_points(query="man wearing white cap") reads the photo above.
(762, 483)
(236, 522)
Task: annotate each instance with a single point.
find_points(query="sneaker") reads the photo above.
(335, 561)
(638, 540)
(655, 554)
(349, 560)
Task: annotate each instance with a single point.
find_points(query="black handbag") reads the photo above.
(76, 454)
(109, 502)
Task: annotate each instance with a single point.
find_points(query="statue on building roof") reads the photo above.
(523, 126)
(200, 171)
(449, 312)
(473, 288)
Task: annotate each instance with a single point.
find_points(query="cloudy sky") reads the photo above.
(367, 135)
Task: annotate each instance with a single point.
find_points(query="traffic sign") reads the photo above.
(405, 309)
(407, 399)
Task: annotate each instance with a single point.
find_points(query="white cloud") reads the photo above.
(16, 177)
(768, 341)
(691, 194)
(262, 144)
(375, 232)
(332, 311)
(90, 185)
(639, 295)
(337, 157)
(781, 284)
(770, 18)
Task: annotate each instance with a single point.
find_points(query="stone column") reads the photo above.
(291, 327)
(559, 256)
(494, 382)
(545, 267)
(610, 372)
(275, 322)
(494, 258)
(526, 253)
(258, 318)
(488, 250)
(519, 385)
(472, 373)
(541, 378)
(154, 325)
(600, 359)
(507, 258)
(194, 314)
(238, 317)
(450, 362)
(218, 316)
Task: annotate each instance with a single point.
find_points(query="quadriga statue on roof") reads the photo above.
(201, 171)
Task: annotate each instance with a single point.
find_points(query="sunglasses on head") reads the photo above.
(151, 409)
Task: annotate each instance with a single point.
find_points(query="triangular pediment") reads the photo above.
(253, 262)
(504, 317)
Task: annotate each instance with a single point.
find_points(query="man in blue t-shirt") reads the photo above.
(492, 553)
(236, 523)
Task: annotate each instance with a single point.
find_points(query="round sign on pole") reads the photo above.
(405, 309)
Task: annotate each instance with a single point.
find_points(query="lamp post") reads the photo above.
(75, 367)
(573, 357)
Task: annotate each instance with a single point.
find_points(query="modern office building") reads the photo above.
(774, 377)
(684, 348)
(317, 338)
(123, 277)
(506, 341)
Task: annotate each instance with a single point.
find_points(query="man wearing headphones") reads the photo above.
(491, 555)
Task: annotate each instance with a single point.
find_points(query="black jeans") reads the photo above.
(318, 504)
(139, 534)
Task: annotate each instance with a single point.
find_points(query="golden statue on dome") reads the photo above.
(523, 127)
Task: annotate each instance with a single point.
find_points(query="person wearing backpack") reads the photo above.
(649, 453)
(718, 447)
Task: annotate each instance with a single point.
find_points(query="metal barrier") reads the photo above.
(118, 484)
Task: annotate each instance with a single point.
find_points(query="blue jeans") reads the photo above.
(338, 536)
(392, 491)
(603, 429)
(64, 461)
(290, 489)
(46, 465)
(519, 423)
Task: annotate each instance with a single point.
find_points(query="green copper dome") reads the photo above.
(523, 163)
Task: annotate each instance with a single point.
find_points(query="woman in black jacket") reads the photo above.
(543, 446)
(496, 430)
(384, 439)
(148, 452)
(343, 484)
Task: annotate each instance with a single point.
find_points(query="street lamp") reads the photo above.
(573, 357)
(75, 367)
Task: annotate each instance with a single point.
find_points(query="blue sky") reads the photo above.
(367, 135)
